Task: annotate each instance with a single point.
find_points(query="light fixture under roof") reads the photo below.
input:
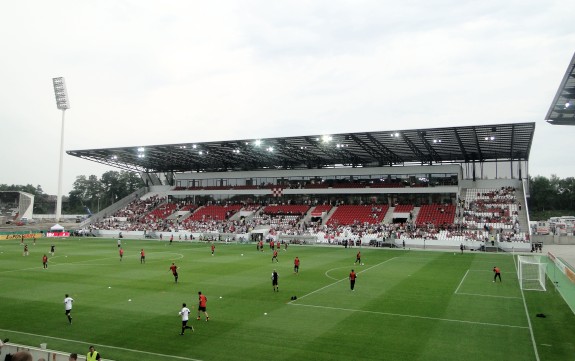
(326, 138)
(141, 149)
(257, 142)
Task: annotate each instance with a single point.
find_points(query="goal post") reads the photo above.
(531, 272)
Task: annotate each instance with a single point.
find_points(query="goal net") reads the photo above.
(531, 272)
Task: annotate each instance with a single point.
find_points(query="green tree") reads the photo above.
(97, 194)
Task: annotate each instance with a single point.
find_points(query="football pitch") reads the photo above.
(407, 305)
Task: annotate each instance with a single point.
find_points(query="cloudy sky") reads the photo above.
(148, 72)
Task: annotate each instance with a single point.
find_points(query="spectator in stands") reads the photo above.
(22, 356)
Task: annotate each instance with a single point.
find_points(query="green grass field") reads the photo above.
(408, 305)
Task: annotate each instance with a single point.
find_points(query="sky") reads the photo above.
(149, 72)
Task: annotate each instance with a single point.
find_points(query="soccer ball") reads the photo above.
(362, 264)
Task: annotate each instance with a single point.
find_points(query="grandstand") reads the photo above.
(439, 187)
(16, 207)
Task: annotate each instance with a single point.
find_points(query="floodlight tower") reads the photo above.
(62, 104)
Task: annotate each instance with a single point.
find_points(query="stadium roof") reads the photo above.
(562, 110)
(480, 143)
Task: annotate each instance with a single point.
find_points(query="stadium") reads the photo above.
(332, 188)
(432, 211)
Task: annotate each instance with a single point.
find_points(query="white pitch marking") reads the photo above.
(329, 270)
(494, 296)
(460, 283)
(409, 316)
(528, 320)
(343, 279)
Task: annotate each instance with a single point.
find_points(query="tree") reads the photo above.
(541, 194)
(97, 194)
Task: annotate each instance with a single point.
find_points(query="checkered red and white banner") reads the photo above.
(277, 192)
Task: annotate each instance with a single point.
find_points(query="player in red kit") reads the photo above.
(275, 256)
(213, 249)
(203, 300)
(121, 254)
(142, 256)
(174, 270)
(496, 273)
(296, 265)
(352, 277)
(45, 261)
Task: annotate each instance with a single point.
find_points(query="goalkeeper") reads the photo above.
(497, 273)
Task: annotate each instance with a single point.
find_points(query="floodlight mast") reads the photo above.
(62, 103)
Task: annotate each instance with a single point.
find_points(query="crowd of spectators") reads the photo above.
(492, 210)
(474, 221)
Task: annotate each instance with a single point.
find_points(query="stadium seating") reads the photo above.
(403, 208)
(295, 209)
(322, 208)
(214, 212)
(349, 214)
(162, 212)
(436, 214)
(491, 208)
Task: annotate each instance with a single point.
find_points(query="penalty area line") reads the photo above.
(460, 283)
(409, 316)
(102, 345)
(494, 296)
